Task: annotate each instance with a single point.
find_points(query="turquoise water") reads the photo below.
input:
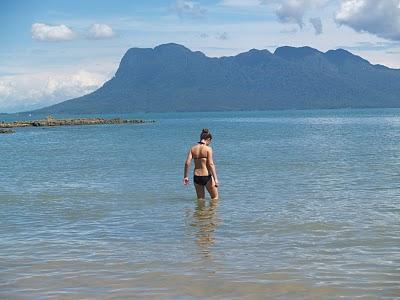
(309, 209)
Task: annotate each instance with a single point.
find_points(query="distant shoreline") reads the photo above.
(50, 121)
(351, 108)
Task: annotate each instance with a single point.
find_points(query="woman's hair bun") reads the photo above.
(205, 134)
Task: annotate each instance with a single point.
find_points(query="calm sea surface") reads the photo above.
(309, 209)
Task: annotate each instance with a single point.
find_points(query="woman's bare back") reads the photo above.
(200, 156)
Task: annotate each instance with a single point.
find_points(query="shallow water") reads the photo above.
(309, 209)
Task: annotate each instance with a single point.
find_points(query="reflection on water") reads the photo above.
(205, 221)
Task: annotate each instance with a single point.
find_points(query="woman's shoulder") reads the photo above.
(208, 148)
(197, 146)
(193, 147)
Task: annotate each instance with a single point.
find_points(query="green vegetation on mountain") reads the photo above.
(171, 77)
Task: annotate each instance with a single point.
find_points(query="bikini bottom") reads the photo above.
(201, 180)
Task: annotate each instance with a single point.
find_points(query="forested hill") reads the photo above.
(171, 77)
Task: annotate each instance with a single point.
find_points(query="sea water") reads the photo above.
(309, 208)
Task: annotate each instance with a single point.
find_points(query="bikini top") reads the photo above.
(201, 143)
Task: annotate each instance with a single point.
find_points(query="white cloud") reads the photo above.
(49, 33)
(188, 8)
(317, 24)
(101, 31)
(5, 89)
(379, 17)
(29, 91)
(222, 36)
(293, 11)
(242, 3)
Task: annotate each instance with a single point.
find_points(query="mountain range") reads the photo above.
(170, 77)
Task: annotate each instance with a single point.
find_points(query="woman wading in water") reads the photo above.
(205, 174)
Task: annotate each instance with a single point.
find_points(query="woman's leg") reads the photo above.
(200, 191)
(212, 189)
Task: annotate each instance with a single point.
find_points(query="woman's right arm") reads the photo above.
(211, 166)
(187, 167)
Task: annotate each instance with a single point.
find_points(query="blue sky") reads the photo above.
(56, 50)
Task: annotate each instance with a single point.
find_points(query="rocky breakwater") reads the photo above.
(50, 121)
(6, 131)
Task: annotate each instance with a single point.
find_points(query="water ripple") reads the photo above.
(309, 209)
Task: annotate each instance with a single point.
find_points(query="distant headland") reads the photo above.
(171, 77)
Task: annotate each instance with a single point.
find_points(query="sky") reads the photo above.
(54, 50)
